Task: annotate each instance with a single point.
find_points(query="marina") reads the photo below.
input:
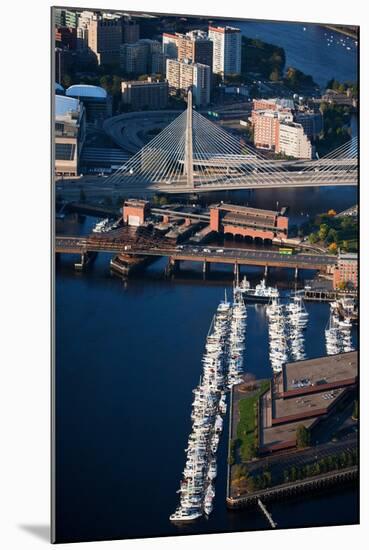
(222, 365)
(338, 333)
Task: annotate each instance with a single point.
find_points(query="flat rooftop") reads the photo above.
(250, 220)
(312, 373)
(135, 202)
(246, 210)
(305, 405)
(283, 433)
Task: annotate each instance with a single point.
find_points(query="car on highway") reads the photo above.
(219, 250)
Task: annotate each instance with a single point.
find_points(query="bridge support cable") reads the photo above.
(194, 152)
(340, 162)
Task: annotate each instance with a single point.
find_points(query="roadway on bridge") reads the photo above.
(193, 253)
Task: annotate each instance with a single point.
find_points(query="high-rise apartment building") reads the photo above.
(226, 50)
(193, 46)
(170, 45)
(142, 57)
(182, 75)
(293, 142)
(65, 18)
(201, 84)
(84, 19)
(66, 37)
(311, 121)
(266, 129)
(131, 31)
(105, 38)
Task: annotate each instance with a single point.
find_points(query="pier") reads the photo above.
(287, 490)
(266, 514)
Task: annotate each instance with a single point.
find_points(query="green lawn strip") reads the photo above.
(247, 425)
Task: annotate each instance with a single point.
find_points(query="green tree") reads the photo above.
(332, 236)
(302, 437)
(343, 459)
(267, 478)
(323, 231)
(293, 473)
(313, 238)
(66, 80)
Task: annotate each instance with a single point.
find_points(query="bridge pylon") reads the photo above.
(188, 160)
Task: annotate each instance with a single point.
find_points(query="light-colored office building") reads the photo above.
(226, 50)
(84, 19)
(182, 75)
(70, 131)
(148, 94)
(293, 142)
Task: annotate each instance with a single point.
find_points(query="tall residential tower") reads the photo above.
(226, 50)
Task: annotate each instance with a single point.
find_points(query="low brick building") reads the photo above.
(298, 395)
(248, 222)
(135, 212)
(345, 272)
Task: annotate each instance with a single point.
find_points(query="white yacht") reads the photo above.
(261, 293)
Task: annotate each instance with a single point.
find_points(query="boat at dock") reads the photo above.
(222, 365)
(260, 294)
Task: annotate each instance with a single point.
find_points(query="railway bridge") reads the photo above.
(188, 253)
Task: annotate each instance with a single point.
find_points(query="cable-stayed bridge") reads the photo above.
(193, 154)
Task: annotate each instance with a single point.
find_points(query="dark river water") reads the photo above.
(128, 355)
(317, 51)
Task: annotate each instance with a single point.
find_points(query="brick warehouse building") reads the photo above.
(298, 396)
(248, 222)
(345, 271)
(135, 211)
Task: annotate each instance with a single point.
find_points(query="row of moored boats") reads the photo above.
(286, 325)
(222, 367)
(338, 333)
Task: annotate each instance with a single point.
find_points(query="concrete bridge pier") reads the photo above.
(237, 271)
(296, 272)
(173, 266)
(205, 269)
(86, 259)
(266, 271)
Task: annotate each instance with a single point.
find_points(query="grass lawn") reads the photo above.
(247, 423)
